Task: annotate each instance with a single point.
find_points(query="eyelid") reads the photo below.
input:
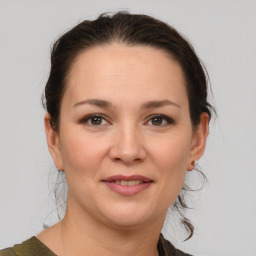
(166, 118)
(86, 118)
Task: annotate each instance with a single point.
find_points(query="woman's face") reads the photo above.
(125, 140)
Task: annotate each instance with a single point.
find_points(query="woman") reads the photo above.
(127, 117)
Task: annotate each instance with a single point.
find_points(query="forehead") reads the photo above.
(127, 71)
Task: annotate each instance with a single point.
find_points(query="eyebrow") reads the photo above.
(96, 102)
(158, 104)
(146, 105)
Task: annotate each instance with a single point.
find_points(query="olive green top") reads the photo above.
(34, 247)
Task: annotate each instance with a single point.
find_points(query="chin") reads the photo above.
(127, 222)
(128, 217)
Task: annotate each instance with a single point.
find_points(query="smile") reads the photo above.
(128, 182)
(128, 185)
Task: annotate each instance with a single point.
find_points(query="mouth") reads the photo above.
(128, 185)
(127, 180)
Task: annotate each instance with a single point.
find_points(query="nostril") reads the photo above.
(127, 151)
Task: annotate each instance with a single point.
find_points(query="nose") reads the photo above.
(127, 145)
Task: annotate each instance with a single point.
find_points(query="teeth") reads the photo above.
(128, 182)
(124, 182)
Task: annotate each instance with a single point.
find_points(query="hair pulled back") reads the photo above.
(128, 29)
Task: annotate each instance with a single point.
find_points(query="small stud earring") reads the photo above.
(193, 163)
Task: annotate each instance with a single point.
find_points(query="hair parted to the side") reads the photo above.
(128, 29)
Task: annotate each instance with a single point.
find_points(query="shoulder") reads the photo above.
(165, 248)
(34, 247)
(7, 252)
(30, 247)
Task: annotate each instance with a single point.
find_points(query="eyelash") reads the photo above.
(90, 117)
(165, 118)
(168, 119)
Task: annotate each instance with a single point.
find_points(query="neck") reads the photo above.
(79, 235)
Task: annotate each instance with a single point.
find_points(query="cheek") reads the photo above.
(170, 158)
(171, 151)
(83, 154)
(82, 159)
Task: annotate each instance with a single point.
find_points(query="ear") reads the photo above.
(53, 142)
(199, 141)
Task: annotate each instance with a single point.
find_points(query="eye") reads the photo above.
(160, 120)
(94, 120)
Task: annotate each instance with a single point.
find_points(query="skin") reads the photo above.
(126, 140)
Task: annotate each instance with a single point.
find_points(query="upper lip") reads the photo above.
(128, 178)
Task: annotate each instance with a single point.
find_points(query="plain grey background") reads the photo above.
(222, 33)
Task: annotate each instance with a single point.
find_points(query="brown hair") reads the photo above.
(129, 29)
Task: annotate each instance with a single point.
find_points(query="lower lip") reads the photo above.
(126, 189)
